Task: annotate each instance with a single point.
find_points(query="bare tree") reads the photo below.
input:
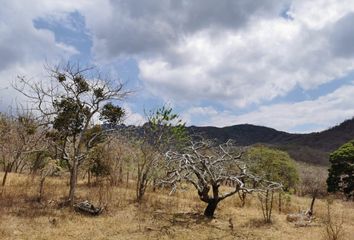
(49, 167)
(312, 183)
(206, 167)
(69, 102)
(266, 200)
(19, 137)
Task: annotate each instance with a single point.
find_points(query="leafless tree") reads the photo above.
(69, 102)
(266, 200)
(19, 137)
(312, 183)
(207, 166)
(49, 168)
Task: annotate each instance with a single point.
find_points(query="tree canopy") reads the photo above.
(273, 165)
(341, 171)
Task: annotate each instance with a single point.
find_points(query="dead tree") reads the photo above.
(50, 167)
(207, 166)
(20, 137)
(313, 184)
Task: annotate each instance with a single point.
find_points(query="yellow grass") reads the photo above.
(159, 217)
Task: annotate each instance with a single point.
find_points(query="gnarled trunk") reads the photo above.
(212, 202)
(210, 209)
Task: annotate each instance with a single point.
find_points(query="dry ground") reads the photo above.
(159, 217)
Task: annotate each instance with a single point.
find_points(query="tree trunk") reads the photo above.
(210, 209)
(312, 203)
(41, 188)
(7, 169)
(4, 177)
(89, 178)
(127, 179)
(120, 177)
(242, 196)
(73, 182)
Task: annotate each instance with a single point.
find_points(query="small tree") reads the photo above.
(207, 166)
(164, 130)
(266, 200)
(50, 167)
(69, 103)
(341, 172)
(20, 137)
(273, 165)
(312, 183)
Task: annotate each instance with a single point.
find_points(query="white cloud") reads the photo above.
(266, 60)
(234, 52)
(131, 117)
(135, 27)
(24, 48)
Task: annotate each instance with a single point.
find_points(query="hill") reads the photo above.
(312, 147)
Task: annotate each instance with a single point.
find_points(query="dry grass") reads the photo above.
(159, 217)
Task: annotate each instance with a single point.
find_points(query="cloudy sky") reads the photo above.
(283, 64)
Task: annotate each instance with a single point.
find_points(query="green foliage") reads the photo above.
(341, 172)
(110, 113)
(71, 116)
(61, 77)
(98, 163)
(37, 160)
(165, 129)
(273, 165)
(93, 136)
(81, 84)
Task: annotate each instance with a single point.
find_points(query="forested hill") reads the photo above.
(312, 147)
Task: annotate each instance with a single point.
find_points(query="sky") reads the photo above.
(285, 64)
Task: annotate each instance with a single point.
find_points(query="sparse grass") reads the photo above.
(159, 216)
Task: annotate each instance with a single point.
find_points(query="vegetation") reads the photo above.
(273, 165)
(164, 130)
(206, 167)
(312, 183)
(341, 172)
(160, 216)
(74, 137)
(68, 106)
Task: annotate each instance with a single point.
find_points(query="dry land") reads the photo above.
(159, 216)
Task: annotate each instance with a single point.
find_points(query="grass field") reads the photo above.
(159, 216)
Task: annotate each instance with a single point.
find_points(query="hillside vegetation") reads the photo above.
(312, 147)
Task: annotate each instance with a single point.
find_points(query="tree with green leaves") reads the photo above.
(164, 130)
(69, 103)
(341, 171)
(273, 165)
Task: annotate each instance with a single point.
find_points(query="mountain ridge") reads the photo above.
(312, 147)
